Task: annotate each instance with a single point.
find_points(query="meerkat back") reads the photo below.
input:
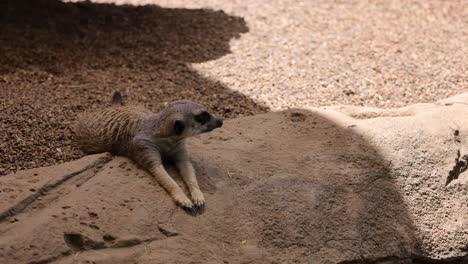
(108, 129)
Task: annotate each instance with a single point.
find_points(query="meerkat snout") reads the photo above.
(213, 124)
(219, 123)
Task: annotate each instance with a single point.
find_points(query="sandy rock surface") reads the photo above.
(297, 186)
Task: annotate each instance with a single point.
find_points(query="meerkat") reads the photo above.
(149, 139)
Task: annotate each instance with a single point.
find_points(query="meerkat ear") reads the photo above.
(179, 127)
(117, 98)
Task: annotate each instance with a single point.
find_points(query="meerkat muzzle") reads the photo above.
(219, 123)
(214, 123)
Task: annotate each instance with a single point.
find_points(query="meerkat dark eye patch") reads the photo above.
(179, 127)
(203, 118)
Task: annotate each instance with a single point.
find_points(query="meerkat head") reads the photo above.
(186, 118)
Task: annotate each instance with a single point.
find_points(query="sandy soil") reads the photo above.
(315, 53)
(57, 59)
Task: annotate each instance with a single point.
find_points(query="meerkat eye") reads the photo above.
(179, 127)
(203, 118)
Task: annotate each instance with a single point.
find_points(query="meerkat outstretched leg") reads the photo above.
(171, 187)
(187, 172)
(149, 158)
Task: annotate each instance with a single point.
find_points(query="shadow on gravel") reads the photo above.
(58, 59)
(57, 36)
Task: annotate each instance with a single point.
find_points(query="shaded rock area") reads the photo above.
(298, 186)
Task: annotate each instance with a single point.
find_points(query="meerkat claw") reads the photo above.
(200, 207)
(187, 207)
(192, 210)
(184, 203)
(197, 208)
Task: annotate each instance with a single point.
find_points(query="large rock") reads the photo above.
(343, 184)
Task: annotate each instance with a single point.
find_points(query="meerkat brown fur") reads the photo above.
(150, 138)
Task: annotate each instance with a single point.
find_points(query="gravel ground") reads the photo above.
(58, 59)
(317, 53)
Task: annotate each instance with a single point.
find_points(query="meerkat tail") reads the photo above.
(117, 98)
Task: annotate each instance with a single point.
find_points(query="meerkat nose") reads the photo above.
(219, 123)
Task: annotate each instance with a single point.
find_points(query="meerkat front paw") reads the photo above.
(198, 201)
(183, 201)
